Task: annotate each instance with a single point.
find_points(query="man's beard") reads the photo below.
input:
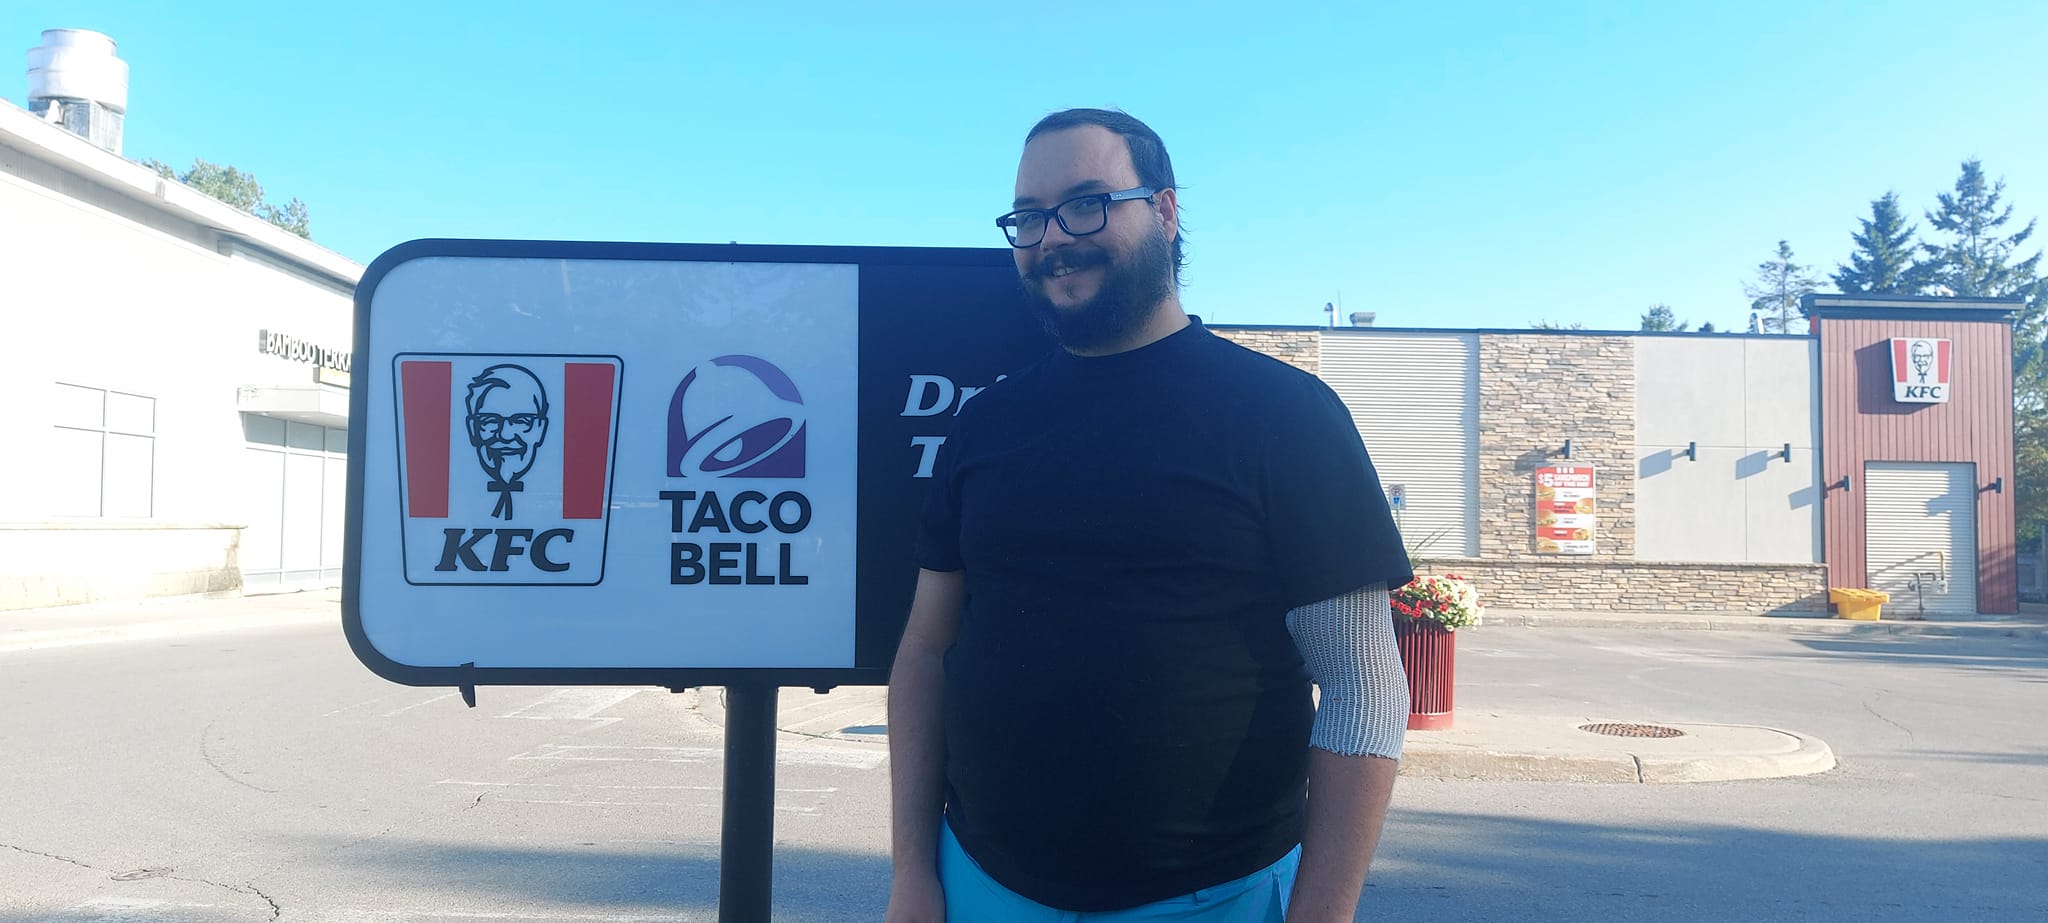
(1131, 289)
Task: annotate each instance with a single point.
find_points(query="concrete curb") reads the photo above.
(1810, 756)
(1543, 749)
(1488, 766)
(1483, 746)
(1763, 623)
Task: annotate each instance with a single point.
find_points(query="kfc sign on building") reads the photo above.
(1921, 370)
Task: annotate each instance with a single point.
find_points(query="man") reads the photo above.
(507, 421)
(1099, 709)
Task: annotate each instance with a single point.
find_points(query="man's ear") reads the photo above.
(1169, 212)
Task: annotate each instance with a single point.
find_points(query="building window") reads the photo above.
(105, 453)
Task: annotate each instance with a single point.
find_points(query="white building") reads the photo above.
(175, 370)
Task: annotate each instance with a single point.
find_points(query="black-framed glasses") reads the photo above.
(1078, 216)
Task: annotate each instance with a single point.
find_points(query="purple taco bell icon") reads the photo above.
(736, 416)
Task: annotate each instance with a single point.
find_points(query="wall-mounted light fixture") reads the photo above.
(1567, 448)
(1842, 484)
(1996, 487)
(1786, 452)
(1692, 451)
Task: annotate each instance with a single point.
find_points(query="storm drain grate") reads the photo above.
(1632, 730)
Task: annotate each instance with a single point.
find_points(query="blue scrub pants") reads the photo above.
(973, 897)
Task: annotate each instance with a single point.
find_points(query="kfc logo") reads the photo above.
(1921, 370)
(529, 503)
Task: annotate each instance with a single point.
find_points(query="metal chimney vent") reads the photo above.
(74, 80)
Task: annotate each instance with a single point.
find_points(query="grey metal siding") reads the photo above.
(1714, 482)
(1415, 399)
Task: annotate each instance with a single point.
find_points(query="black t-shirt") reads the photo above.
(1126, 716)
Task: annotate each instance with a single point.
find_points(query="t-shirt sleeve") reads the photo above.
(1327, 519)
(938, 534)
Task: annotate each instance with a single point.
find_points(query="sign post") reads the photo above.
(658, 464)
(746, 855)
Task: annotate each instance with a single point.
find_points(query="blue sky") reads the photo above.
(1483, 165)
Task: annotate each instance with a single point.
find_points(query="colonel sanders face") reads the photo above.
(1923, 356)
(507, 422)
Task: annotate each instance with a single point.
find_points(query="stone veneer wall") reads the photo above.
(1301, 348)
(1535, 390)
(1644, 586)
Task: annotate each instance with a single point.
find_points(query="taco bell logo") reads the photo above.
(506, 467)
(736, 416)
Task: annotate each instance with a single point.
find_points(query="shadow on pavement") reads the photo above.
(1489, 867)
(548, 883)
(2006, 653)
(2036, 757)
(1433, 865)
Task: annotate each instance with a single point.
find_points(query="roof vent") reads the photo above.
(75, 81)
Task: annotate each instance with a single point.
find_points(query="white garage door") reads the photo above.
(295, 482)
(1921, 520)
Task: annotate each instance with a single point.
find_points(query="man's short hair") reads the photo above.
(1148, 155)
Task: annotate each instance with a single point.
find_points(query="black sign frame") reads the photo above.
(953, 312)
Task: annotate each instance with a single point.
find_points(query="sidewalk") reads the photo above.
(146, 619)
(1492, 746)
(2031, 621)
(31, 629)
(1483, 745)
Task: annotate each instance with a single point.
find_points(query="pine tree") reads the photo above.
(1976, 260)
(1661, 318)
(238, 189)
(1780, 286)
(1883, 262)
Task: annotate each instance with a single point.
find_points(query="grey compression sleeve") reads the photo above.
(1348, 645)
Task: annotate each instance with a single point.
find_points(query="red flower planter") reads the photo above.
(1429, 656)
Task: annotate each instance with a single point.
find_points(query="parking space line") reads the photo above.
(399, 711)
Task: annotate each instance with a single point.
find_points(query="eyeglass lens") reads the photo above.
(1085, 215)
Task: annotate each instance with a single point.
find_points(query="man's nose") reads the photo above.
(1055, 237)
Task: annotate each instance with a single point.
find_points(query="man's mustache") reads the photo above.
(1069, 258)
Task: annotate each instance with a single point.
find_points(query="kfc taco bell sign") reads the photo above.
(602, 463)
(1921, 370)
